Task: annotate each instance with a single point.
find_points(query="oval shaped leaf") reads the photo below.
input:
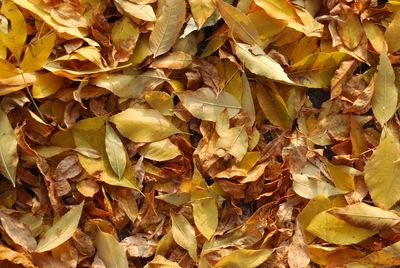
(62, 230)
(110, 251)
(184, 235)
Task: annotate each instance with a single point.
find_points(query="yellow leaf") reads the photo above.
(349, 27)
(259, 63)
(36, 54)
(110, 251)
(16, 36)
(206, 105)
(184, 235)
(387, 256)
(89, 134)
(160, 101)
(205, 212)
(366, 216)
(382, 171)
(161, 262)
(168, 26)
(244, 258)
(316, 70)
(309, 187)
(375, 36)
(201, 10)
(336, 231)
(234, 141)
(7, 70)
(160, 150)
(62, 230)
(273, 106)
(143, 125)
(384, 100)
(115, 151)
(46, 84)
(174, 60)
(136, 11)
(124, 35)
(392, 33)
(342, 179)
(239, 23)
(8, 149)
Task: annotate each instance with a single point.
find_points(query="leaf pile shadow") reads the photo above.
(199, 133)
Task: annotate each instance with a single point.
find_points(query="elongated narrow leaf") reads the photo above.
(205, 212)
(143, 125)
(8, 149)
(168, 26)
(201, 10)
(110, 251)
(384, 100)
(160, 150)
(206, 105)
(247, 258)
(382, 171)
(115, 151)
(15, 36)
(239, 23)
(366, 216)
(62, 230)
(143, 12)
(309, 187)
(259, 63)
(184, 234)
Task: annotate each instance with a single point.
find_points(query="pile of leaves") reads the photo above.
(199, 133)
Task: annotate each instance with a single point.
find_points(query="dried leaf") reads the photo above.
(248, 258)
(160, 150)
(8, 149)
(205, 212)
(143, 125)
(110, 251)
(62, 230)
(184, 235)
(168, 26)
(115, 151)
(37, 53)
(382, 171)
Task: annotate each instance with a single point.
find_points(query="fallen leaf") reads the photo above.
(205, 212)
(248, 258)
(167, 27)
(366, 216)
(115, 151)
(8, 149)
(384, 100)
(62, 230)
(201, 11)
(184, 235)
(143, 125)
(160, 150)
(110, 251)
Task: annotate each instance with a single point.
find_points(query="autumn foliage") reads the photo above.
(199, 133)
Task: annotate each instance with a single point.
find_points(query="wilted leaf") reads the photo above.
(143, 125)
(205, 212)
(334, 230)
(201, 10)
(15, 38)
(124, 35)
(110, 251)
(62, 230)
(46, 84)
(168, 25)
(239, 23)
(160, 261)
(387, 256)
(259, 63)
(143, 12)
(206, 105)
(37, 53)
(392, 34)
(115, 151)
(15, 257)
(316, 70)
(366, 216)
(248, 258)
(184, 235)
(384, 100)
(160, 150)
(234, 141)
(309, 187)
(382, 171)
(8, 149)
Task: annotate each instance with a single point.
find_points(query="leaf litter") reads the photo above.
(155, 133)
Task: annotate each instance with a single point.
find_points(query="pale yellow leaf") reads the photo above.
(115, 151)
(110, 251)
(136, 11)
(184, 235)
(62, 230)
(46, 84)
(336, 231)
(143, 125)
(168, 25)
(245, 258)
(160, 150)
(382, 171)
(8, 149)
(201, 10)
(384, 99)
(205, 212)
(36, 54)
(392, 33)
